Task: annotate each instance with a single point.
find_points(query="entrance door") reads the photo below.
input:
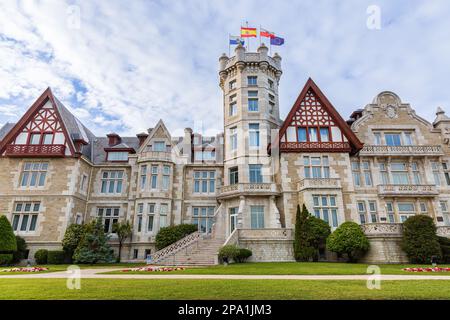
(233, 219)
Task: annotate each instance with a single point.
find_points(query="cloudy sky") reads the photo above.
(122, 65)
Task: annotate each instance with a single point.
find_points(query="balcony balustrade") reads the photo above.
(239, 189)
(35, 150)
(407, 190)
(320, 183)
(424, 150)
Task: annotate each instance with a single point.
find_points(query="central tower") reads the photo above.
(249, 81)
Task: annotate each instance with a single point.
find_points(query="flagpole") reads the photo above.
(260, 35)
(229, 45)
(248, 44)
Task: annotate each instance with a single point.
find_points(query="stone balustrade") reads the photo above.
(424, 150)
(382, 229)
(174, 248)
(321, 183)
(264, 234)
(248, 189)
(407, 190)
(155, 156)
(443, 231)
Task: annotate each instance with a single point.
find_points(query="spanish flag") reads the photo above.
(248, 32)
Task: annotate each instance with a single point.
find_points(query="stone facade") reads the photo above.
(241, 187)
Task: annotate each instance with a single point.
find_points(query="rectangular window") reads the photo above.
(325, 208)
(203, 218)
(253, 104)
(366, 173)
(356, 172)
(48, 138)
(204, 182)
(233, 138)
(84, 182)
(436, 174)
(139, 223)
(159, 146)
(399, 173)
(232, 84)
(117, 156)
(408, 139)
(150, 217)
(255, 173)
(253, 134)
(33, 174)
(270, 82)
(163, 210)
(143, 176)
(324, 135)
(35, 138)
(445, 212)
(446, 169)
(252, 80)
(415, 173)
(166, 178)
(393, 139)
(362, 212)
(109, 217)
(316, 167)
(377, 138)
(257, 217)
(384, 173)
(25, 216)
(233, 109)
(154, 177)
(302, 135)
(312, 134)
(405, 210)
(234, 175)
(373, 211)
(111, 182)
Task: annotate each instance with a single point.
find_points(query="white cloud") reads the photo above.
(132, 63)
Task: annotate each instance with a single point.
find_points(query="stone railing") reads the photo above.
(321, 183)
(261, 234)
(233, 238)
(407, 190)
(443, 231)
(249, 189)
(155, 155)
(173, 248)
(426, 150)
(382, 229)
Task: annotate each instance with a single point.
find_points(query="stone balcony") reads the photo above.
(156, 156)
(407, 190)
(424, 150)
(241, 189)
(321, 183)
(443, 231)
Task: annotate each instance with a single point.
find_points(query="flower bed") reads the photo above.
(154, 269)
(27, 269)
(434, 269)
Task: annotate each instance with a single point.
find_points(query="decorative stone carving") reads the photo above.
(391, 111)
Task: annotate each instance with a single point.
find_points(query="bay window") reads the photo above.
(325, 208)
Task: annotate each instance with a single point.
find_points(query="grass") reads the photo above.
(156, 289)
(63, 267)
(293, 268)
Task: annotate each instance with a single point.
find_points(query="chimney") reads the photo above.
(142, 136)
(113, 139)
(187, 144)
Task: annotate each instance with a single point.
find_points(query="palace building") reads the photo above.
(382, 165)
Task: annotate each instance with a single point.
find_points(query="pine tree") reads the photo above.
(302, 248)
(94, 246)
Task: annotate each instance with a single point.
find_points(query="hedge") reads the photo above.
(169, 235)
(41, 256)
(5, 258)
(232, 252)
(21, 250)
(55, 257)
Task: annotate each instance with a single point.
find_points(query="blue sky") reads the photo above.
(121, 66)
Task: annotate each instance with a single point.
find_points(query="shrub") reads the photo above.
(7, 238)
(72, 238)
(348, 238)
(230, 252)
(168, 235)
(55, 257)
(94, 247)
(302, 249)
(21, 250)
(6, 258)
(318, 232)
(445, 248)
(420, 241)
(243, 255)
(41, 256)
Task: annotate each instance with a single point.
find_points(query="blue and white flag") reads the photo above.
(236, 40)
(276, 41)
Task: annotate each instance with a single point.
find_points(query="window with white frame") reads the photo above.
(111, 181)
(373, 211)
(445, 212)
(405, 210)
(377, 138)
(253, 130)
(390, 212)
(34, 174)
(233, 175)
(233, 138)
(436, 174)
(117, 156)
(166, 178)
(143, 176)
(362, 173)
(415, 173)
(151, 216)
(325, 208)
(205, 155)
(159, 146)
(253, 101)
(362, 212)
(255, 174)
(316, 167)
(233, 105)
(109, 217)
(252, 80)
(163, 211)
(25, 216)
(399, 171)
(423, 207)
(232, 84)
(446, 169)
(384, 173)
(365, 167)
(203, 218)
(154, 177)
(356, 173)
(140, 211)
(204, 181)
(257, 217)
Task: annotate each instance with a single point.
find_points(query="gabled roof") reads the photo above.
(72, 127)
(310, 85)
(159, 125)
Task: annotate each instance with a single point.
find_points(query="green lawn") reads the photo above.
(220, 289)
(293, 268)
(63, 267)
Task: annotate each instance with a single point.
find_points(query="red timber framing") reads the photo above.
(314, 125)
(39, 126)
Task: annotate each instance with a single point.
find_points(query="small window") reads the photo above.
(117, 156)
(302, 135)
(252, 80)
(48, 138)
(270, 83)
(232, 84)
(324, 135)
(255, 173)
(312, 134)
(35, 138)
(234, 175)
(159, 146)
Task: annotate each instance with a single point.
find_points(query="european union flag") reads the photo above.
(276, 41)
(236, 40)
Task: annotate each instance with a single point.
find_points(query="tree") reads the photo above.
(318, 232)
(72, 238)
(21, 250)
(419, 240)
(8, 244)
(445, 248)
(123, 231)
(348, 238)
(94, 247)
(302, 248)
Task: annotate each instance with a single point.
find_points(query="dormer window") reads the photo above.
(159, 146)
(118, 156)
